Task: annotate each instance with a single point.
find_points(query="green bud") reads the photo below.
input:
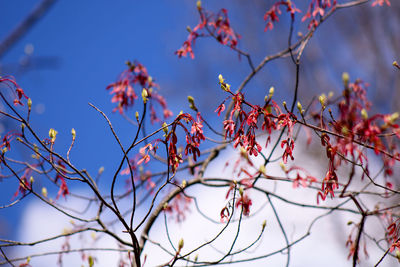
(181, 243)
(137, 116)
(165, 127)
(345, 79)
(322, 100)
(44, 191)
(144, 95)
(73, 132)
(264, 223)
(29, 103)
(198, 4)
(271, 91)
(364, 114)
(52, 134)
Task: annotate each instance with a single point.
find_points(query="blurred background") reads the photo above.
(77, 48)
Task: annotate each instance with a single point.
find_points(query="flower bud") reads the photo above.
(165, 127)
(191, 102)
(52, 134)
(137, 116)
(144, 95)
(241, 191)
(283, 167)
(44, 191)
(221, 79)
(73, 132)
(264, 223)
(198, 4)
(262, 169)
(181, 243)
(364, 114)
(271, 91)
(189, 29)
(345, 79)
(184, 183)
(31, 180)
(22, 126)
(29, 103)
(322, 100)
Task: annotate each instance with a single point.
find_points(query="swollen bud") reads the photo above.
(283, 167)
(191, 102)
(262, 169)
(322, 100)
(221, 79)
(31, 180)
(184, 183)
(181, 243)
(241, 191)
(29, 103)
(52, 135)
(345, 79)
(144, 95)
(189, 29)
(73, 132)
(165, 127)
(137, 116)
(271, 91)
(364, 114)
(44, 191)
(300, 108)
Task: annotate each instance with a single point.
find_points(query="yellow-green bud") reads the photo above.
(234, 182)
(73, 132)
(191, 102)
(188, 29)
(349, 223)
(345, 79)
(144, 95)
(221, 79)
(52, 134)
(31, 180)
(165, 127)
(196, 257)
(322, 100)
(262, 169)
(91, 261)
(241, 191)
(149, 79)
(44, 191)
(284, 104)
(22, 126)
(283, 167)
(271, 91)
(19, 139)
(184, 183)
(198, 4)
(4, 150)
(394, 117)
(364, 114)
(264, 223)
(180, 244)
(345, 130)
(137, 116)
(29, 103)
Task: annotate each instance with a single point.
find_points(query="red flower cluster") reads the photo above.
(317, 7)
(271, 15)
(10, 83)
(215, 25)
(124, 94)
(193, 138)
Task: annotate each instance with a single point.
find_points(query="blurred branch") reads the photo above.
(24, 26)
